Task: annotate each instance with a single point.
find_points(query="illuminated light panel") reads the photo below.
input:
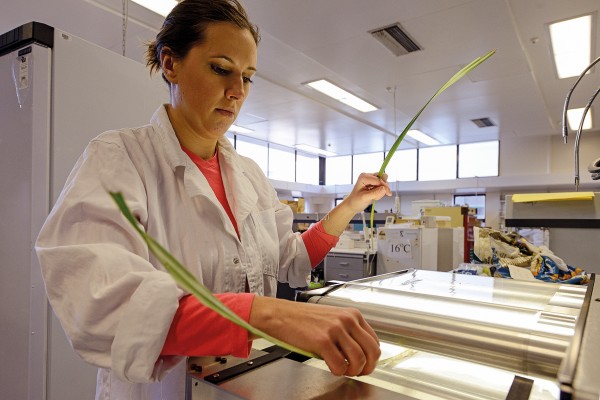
(571, 45)
(314, 150)
(574, 118)
(341, 95)
(239, 129)
(162, 7)
(420, 374)
(422, 137)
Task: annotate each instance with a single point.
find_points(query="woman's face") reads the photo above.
(209, 85)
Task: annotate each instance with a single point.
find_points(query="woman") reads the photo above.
(213, 209)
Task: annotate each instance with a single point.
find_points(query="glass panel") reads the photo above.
(368, 162)
(254, 149)
(282, 163)
(478, 159)
(231, 138)
(473, 201)
(403, 166)
(437, 163)
(308, 172)
(338, 170)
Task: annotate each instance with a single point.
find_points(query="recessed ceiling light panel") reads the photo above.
(574, 116)
(162, 7)
(422, 137)
(239, 129)
(341, 95)
(571, 41)
(314, 150)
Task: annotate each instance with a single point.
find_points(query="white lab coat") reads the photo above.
(113, 298)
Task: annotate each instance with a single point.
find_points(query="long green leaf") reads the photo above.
(188, 282)
(465, 70)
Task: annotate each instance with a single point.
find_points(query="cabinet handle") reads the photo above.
(344, 263)
(343, 275)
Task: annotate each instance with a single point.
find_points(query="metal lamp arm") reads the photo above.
(565, 128)
(577, 138)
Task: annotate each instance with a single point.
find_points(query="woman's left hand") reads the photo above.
(368, 187)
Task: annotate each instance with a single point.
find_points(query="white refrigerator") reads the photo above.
(400, 247)
(57, 92)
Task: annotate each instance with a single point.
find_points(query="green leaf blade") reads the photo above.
(188, 282)
(455, 78)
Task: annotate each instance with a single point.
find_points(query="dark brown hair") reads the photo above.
(186, 24)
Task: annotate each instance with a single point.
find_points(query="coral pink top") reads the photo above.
(196, 330)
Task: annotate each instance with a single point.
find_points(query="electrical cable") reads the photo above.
(125, 15)
(397, 198)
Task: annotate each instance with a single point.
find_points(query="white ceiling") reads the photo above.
(305, 40)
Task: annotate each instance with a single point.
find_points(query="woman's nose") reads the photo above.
(236, 89)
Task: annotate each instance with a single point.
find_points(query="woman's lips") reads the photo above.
(226, 113)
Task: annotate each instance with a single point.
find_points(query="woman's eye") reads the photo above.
(219, 70)
(225, 72)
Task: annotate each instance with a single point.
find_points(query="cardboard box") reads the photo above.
(455, 213)
(297, 206)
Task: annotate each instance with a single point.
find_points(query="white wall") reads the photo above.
(549, 158)
(493, 209)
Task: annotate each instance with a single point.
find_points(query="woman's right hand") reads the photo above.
(339, 335)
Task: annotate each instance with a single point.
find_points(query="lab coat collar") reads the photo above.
(194, 181)
(240, 192)
(170, 144)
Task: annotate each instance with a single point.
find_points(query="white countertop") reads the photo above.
(355, 250)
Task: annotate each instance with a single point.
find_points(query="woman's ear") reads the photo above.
(167, 63)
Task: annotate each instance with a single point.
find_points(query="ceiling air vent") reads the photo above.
(483, 122)
(395, 39)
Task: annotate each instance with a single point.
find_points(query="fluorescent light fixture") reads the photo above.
(421, 137)
(574, 118)
(296, 193)
(314, 150)
(342, 95)
(239, 129)
(162, 7)
(571, 45)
